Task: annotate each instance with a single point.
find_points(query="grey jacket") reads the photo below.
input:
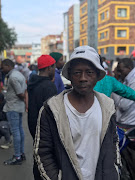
(53, 128)
(126, 108)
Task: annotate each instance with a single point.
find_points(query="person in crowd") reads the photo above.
(125, 108)
(14, 108)
(76, 131)
(4, 125)
(59, 64)
(109, 85)
(33, 70)
(40, 88)
(23, 69)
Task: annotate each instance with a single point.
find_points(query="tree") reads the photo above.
(8, 37)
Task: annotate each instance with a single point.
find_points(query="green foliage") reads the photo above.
(8, 37)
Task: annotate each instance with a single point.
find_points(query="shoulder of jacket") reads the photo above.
(105, 102)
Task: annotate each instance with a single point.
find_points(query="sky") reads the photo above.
(34, 19)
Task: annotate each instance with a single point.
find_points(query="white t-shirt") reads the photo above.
(86, 130)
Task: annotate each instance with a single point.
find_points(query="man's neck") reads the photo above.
(81, 102)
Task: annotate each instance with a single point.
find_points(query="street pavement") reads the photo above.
(18, 172)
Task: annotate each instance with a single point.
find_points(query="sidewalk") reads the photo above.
(18, 172)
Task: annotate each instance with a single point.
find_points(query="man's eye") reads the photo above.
(77, 73)
(90, 72)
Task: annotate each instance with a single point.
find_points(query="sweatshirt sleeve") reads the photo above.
(123, 90)
(125, 104)
(44, 149)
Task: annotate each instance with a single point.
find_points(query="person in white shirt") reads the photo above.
(76, 131)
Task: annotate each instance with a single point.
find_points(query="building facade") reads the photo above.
(48, 41)
(116, 28)
(88, 23)
(36, 52)
(73, 27)
(83, 22)
(22, 53)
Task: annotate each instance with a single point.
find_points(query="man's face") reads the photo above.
(52, 71)
(83, 78)
(5, 69)
(124, 71)
(60, 63)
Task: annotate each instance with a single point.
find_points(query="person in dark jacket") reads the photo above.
(59, 64)
(40, 88)
(76, 135)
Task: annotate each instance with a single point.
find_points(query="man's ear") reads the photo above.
(49, 68)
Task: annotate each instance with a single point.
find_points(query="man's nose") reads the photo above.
(83, 77)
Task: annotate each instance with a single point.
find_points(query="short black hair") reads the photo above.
(127, 62)
(74, 62)
(8, 62)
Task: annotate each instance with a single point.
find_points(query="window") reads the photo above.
(122, 13)
(82, 42)
(102, 16)
(107, 14)
(103, 35)
(121, 50)
(82, 26)
(121, 33)
(106, 50)
(83, 9)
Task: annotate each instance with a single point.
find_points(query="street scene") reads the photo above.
(67, 90)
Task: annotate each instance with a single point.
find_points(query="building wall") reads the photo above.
(36, 52)
(76, 25)
(83, 22)
(65, 38)
(70, 29)
(47, 40)
(116, 35)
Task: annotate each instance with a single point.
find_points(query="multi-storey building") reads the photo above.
(22, 52)
(73, 27)
(47, 41)
(83, 22)
(116, 28)
(36, 52)
(88, 22)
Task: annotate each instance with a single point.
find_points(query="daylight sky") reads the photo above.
(34, 19)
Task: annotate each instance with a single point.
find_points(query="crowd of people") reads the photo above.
(78, 133)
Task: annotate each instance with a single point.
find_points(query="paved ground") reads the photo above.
(19, 172)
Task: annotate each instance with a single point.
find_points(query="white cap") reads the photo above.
(87, 53)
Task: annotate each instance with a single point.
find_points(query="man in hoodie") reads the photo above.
(40, 88)
(76, 135)
(59, 64)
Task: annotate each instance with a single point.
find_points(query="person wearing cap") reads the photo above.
(40, 88)
(59, 64)
(76, 131)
